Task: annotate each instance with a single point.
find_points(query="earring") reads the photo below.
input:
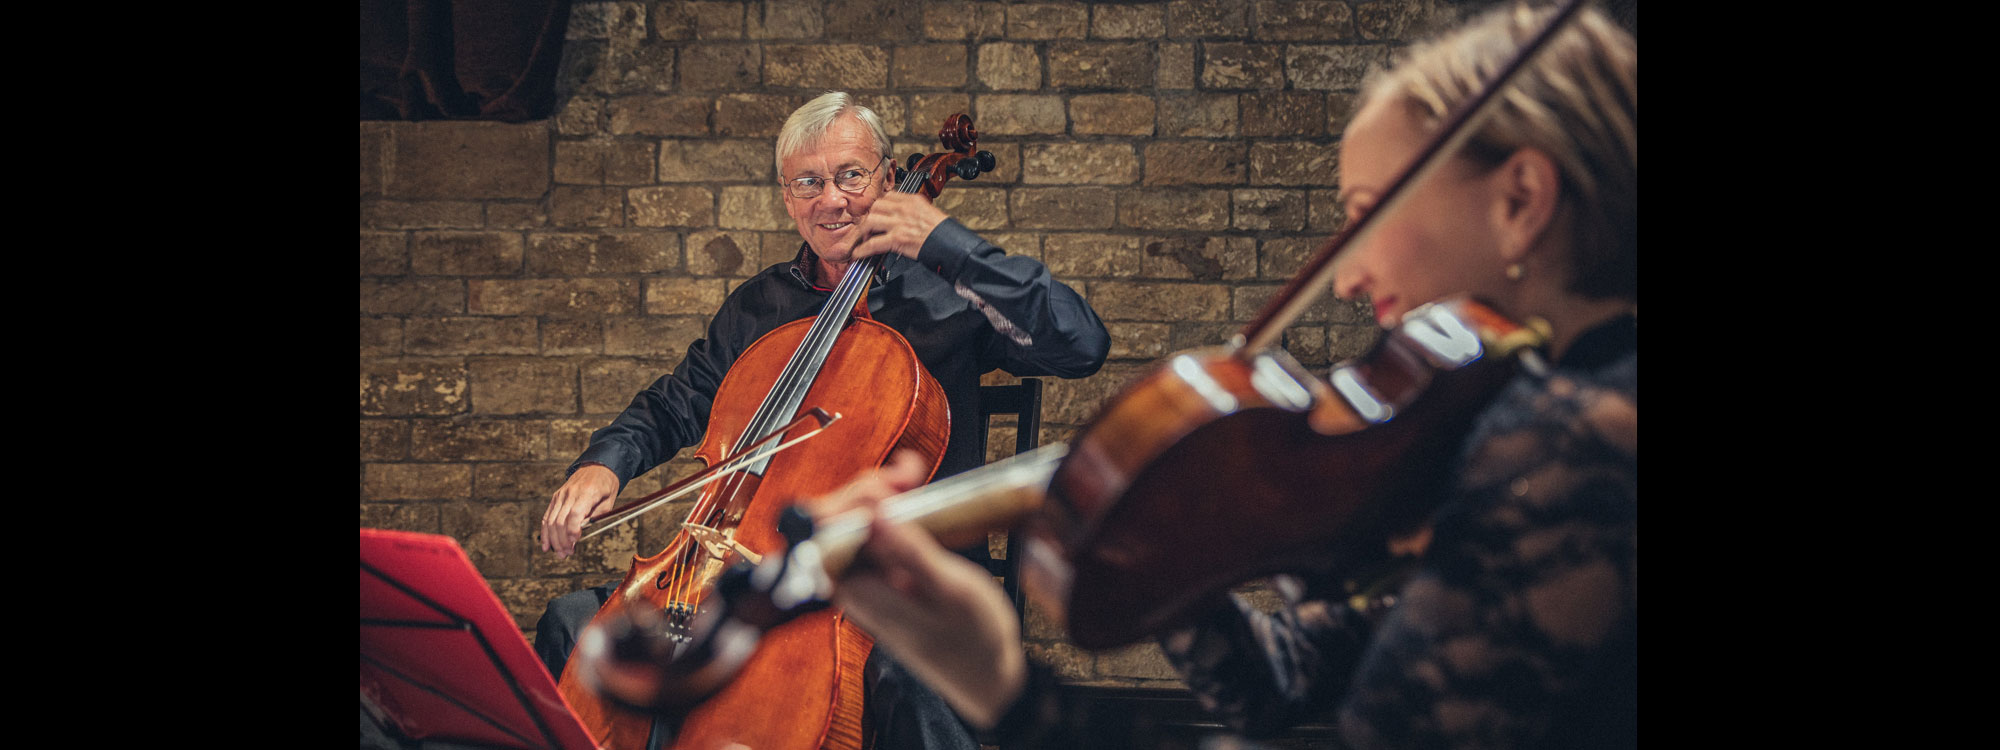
(1515, 271)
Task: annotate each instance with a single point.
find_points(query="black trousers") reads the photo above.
(905, 714)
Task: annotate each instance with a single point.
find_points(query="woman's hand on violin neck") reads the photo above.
(897, 223)
(588, 491)
(940, 615)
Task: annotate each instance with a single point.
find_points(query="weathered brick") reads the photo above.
(1143, 341)
(384, 439)
(979, 209)
(1207, 18)
(1069, 663)
(1142, 660)
(374, 147)
(523, 386)
(786, 19)
(1269, 209)
(465, 253)
(468, 160)
(717, 20)
(524, 215)
(1307, 344)
(1062, 208)
(1394, 20)
(928, 66)
(964, 20)
(1195, 163)
(1076, 401)
(823, 66)
(1021, 114)
(1079, 164)
(1281, 258)
(663, 339)
(1201, 258)
(712, 253)
(381, 337)
(405, 296)
(1327, 309)
(927, 112)
(562, 336)
(569, 437)
(720, 67)
(1183, 336)
(1072, 256)
(889, 108)
(523, 482)
(580, 116)
(1346, 342)
(1124, 65)
(1010, 65)
(1231, 65)
(1176, 66)
(416, 481)
(1292, 20)
(587, 206)
(1284, 113)
(1298, 163)
(659, 115)
(609, 384)
(463, 335)
(753, 115)
(1325, 213)
(874, 20)
(477, 440)
(1340, 109)
(754, 207)
(1198, 116)
(1331, 66)
(412, 388)
(561, 297)
(621, 69)
(421, 214)
(384, 253)
(603, 163)
(597, 254)
(669, 296)
(491, 534)
(1205, 210)
(671, 206)
(1128, 21)
(620, 21)
(420, 517)
(1160, 301)
(1111, 114)
(1047, 21)
(1027, 244)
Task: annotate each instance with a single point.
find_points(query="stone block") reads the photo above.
(414, 387)
(385, 439)
(1047, 21)
(604, 162)
(928, 66)
(385, 214)
(1141, 341)
(753, 115)
(1137, 661)
(1117, 65)
(384, 253)
(1326, 309)
(1200, 257)
(1021, 114)
(1284, 113)
(1062, 208)
(979, 209)
(1160, 301)
(1007, 66)
(477, 440)
(1180, 209)
(374, 147)
(874, 20)
(1265, 209)
(580, 116)
(554, 297)
(1294, 163)
(407, 296)
(517, 385)
(670, 296)
(525, 215)
(1324, 212)
(435, 336)
(1395, 20)
(717, 20)
(754, 207)
(518, 482)
(587, 206)
(1079, 164)
(1206, 18)
(671, 206)
(603, 253)
(1235, 65)
(1329, 67)
(426, 481)
(1198, 116)
(826, 66)
(1069, 663)
(718, 253)
(617, 21)
(786, 19)
(1346, 342)
(1281, 258)
(565, 336)
(928, 112)
(491, 534)
(400, 517)
(721, 67)
(890, 108)
(1302, 20)
(661, 339)
(1111, 114)
(1075, 256)
(468, 160)
(1109, 21)
(1073, 402)
(381, 337)
(659, 115)
(1176, 66)
(1195, 163)
(1307, 344)
(465, 253)
(609, 385)
(965, 20)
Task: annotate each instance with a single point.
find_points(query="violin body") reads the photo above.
(803, 687)
(1219, 467)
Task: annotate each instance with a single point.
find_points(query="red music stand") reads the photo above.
(441, 660)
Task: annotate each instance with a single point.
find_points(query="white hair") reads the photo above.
(810, 122)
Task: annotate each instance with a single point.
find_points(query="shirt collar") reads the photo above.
(805, 268)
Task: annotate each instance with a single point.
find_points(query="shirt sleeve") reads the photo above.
(1044, 326)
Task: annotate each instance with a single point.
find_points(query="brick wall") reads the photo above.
(1172, 161)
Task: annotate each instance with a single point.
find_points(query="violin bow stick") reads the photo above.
(745, 455)
(1313, 279)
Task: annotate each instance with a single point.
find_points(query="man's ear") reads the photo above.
(1529, 188)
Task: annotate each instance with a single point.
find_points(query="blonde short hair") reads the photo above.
(1578, 102)
(810, 122)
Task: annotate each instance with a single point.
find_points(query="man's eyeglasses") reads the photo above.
(850, 180)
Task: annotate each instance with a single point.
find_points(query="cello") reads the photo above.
(864, 373)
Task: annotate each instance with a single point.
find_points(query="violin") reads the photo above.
(872, 395)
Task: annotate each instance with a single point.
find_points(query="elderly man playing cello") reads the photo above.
(964, 305)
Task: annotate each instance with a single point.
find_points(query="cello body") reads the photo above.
(803, 689)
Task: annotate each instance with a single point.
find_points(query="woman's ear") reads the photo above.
(1530, 187)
